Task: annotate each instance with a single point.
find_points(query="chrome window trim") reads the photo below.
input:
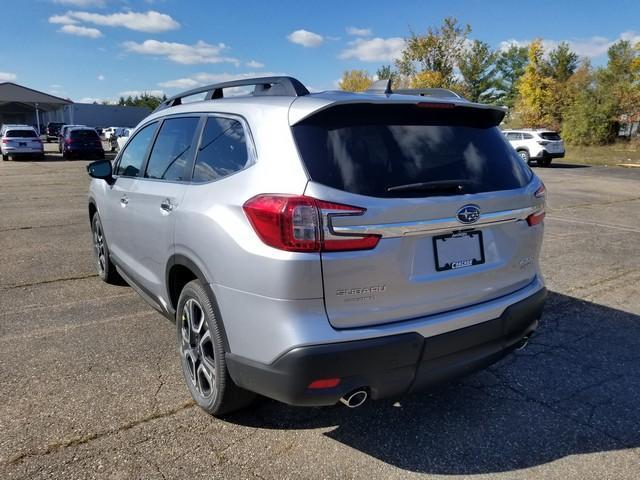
(438, 225)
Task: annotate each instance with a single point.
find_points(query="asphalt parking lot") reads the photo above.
(91, 385)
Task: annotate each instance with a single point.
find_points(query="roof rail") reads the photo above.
(285, 86)
(429, 92)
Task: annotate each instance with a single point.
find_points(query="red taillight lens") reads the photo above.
(324, 383)
(67, 141)
(5, 141)
(535, 218)
(294, 223)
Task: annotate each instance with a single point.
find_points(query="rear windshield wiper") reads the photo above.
(450, 187)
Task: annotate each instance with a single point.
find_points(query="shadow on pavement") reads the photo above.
(563, 165)
(575, 389)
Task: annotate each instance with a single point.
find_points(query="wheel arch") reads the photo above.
(180, 271)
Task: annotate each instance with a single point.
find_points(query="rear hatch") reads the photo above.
(552, 142)
(26, 140)
(85, 139)
(444, 191)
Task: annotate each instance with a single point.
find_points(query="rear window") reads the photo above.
(370, 149)
(84, 134)
(21, 134)
(550, 136)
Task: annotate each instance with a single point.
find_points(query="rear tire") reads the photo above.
(524, 155)
(203, 354)
(5, 158)
(106, 269)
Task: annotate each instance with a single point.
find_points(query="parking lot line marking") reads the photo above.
(595, 224)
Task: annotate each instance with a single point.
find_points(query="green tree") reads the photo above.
(434, 55)
(562, 62)
(355, 81)
(478, 70)
(144, 100)
(510, 67)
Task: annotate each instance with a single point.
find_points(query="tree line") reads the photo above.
(551, 88)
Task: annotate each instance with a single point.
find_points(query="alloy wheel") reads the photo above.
(196, 349)
(98, 246)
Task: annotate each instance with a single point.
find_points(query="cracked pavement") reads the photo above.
(91, 384)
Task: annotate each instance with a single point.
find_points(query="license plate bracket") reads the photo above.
(458, 250)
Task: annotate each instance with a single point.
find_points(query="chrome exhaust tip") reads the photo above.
(355, 398)
(523, 343)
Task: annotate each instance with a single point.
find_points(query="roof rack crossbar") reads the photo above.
(285, 86)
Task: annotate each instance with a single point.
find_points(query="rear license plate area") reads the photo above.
(458, 250)
(22, 144)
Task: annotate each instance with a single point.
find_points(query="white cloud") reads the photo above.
(101, 77)
(359, 32)
(7, 77)
(81, 31)
(82, 3)
(305, 38)
(201, 52)
(179, 83)
(592, 47)
(55, 86)
(374, 49)
(62, 20)
(137, 93)
(93, 99)
(150, 21)
(254, 64)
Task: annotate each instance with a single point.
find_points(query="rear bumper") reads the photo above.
(388, 366)
(545, 154)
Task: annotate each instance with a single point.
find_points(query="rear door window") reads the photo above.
(374, 149)
(84, 134)
(133, 155)
(172, 152)
(222, 151)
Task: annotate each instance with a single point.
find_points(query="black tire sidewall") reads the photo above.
(104, 274)
(196, 290)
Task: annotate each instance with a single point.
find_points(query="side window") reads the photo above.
(132, 157)
(222, 151)
(527, 136)
(171, 152)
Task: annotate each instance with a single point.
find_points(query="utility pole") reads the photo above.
(38, 119)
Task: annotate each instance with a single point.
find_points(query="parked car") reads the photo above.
(63, 132)
(53, 130)
(82, 142)
(111, 132)
(539, 145)
(324, 247)
(121, 139)
(21, 141)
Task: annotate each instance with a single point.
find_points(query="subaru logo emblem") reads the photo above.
(468, 214)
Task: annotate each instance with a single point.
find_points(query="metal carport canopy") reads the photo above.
(13, 93)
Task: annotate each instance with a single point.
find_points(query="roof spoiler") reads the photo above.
(285, 86)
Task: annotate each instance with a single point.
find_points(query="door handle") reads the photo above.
(166, 205)
(124, 200)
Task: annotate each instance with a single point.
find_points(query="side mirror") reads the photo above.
(102, 170)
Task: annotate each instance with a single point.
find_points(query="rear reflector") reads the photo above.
(324, 383)
(295, 224)
(535, 218)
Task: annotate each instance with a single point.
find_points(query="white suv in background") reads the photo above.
(540, 145)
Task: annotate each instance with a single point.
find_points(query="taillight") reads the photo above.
(5, 141)
(295, 224)
(541, 192)
(542, 142)
(535, 218)
(67, 141)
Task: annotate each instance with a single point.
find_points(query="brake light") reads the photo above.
(295, 224)
(5, 141)
(535, 218)
(540, 192)
(67, 141)
(542, 142)
(435, 105)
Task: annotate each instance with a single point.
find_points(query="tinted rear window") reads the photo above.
(550, 136)
(84, 134)
(21, 134)
(367, 149)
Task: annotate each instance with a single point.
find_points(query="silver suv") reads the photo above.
(321, 247)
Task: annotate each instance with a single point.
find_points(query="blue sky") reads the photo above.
(99, 49)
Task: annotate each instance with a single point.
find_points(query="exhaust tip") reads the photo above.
(355, 398)
(523, 343)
